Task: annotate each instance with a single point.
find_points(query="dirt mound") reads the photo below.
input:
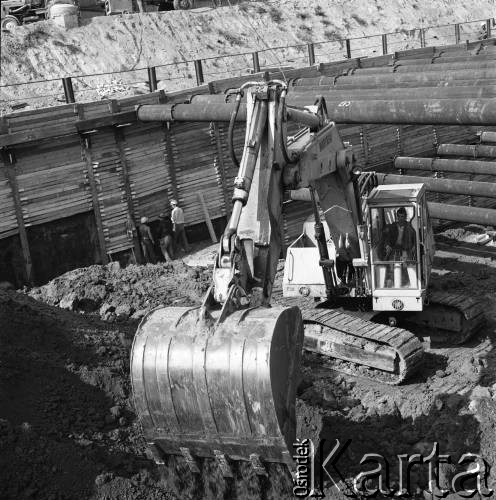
(68, 427)
(119, 294)
(43, 51)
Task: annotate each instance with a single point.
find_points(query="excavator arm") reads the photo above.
(315, 158)
(219, 380)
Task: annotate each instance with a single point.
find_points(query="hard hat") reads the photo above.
(144, 220)
(173, 202)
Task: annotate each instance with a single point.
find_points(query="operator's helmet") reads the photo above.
(173, 202)
(144, 220)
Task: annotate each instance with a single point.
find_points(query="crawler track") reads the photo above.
(452, 318)
(356, 346)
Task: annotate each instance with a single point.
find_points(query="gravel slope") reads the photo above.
(107, 44)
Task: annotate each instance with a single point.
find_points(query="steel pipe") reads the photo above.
(488, 137)
(434, 76)
(426, 66)
(412, 84)
(448, 186)
(210, 111)
(430, 111)
(420, 111)
(443, 165)
(458, 213)
(310, 93)
(442, 58)
(474, 150)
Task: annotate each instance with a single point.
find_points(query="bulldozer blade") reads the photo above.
(207, 390)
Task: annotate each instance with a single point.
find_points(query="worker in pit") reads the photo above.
(399, 245)
(483, 32)
(147, 241)
(166, 236)
(177, 217)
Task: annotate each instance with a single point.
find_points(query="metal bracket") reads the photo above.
(257, 465)
(223, 464)
(193, 467)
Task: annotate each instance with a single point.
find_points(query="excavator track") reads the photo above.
(451, 318)
(356, 346)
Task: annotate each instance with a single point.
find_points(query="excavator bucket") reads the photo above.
(225, 391)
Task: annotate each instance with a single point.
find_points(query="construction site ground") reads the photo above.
(68, 429)
(67, 424)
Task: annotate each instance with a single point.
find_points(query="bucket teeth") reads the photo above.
(223, 464)
(193, 466)
(257, 465)
(156, 454)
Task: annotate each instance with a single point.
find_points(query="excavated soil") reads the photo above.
(128, 44)
(68, 429)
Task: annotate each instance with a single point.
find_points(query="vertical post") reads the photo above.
(199, 72)
(119, 140)
(169, 156)
(422, 37)
(384, 44)
(488, 28)
(68, 90)
(256, 62)
(219, 159)
(85, 145)
(208, 221)
(471, 198)
(457, 33)
(311, 54)
(152, 79)
(23, 236)
(348, 48)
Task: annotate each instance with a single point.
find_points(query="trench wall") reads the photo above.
(75, 179)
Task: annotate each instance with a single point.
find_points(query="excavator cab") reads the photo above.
(401, 246)
(396, 248)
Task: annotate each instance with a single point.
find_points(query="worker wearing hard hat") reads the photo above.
(166, 236)
(177, 217)
(147, 241)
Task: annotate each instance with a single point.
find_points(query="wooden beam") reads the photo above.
(170, 159)
(169, 153)
(85, 146)
(119, 139)
(213, 237)
(220, 166)
(106, 121)
(36, 134)
(23, 236)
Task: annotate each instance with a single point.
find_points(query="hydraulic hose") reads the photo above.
(280, 119)
(230, 133)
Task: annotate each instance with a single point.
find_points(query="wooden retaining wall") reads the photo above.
(96, 158)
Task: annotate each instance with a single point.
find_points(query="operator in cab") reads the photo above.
(399, 246)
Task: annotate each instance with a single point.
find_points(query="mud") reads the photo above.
(68, 428)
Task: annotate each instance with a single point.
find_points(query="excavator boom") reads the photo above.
(219, 380)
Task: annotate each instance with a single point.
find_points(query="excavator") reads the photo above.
(219, 380)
